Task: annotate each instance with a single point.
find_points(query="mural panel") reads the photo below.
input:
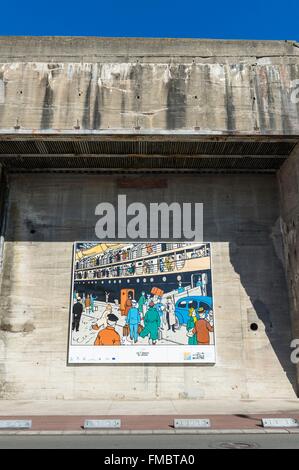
(142, 302)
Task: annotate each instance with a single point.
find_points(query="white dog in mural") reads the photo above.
(125, 341)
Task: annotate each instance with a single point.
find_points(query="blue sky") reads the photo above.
(232, 19)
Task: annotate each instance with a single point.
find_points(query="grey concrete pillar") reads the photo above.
(288, 177)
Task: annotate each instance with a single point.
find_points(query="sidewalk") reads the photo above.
(148, 417)
(150, 424)
(147, 407)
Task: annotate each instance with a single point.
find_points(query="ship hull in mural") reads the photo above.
(142, 302)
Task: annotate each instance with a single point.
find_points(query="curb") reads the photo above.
(149, 432)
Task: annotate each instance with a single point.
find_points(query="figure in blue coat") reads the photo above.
(133, 320)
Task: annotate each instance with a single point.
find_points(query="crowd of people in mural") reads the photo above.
(146, 317)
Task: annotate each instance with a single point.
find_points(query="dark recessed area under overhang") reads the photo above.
(87, 154)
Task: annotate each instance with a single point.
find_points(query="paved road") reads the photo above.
(262, 441)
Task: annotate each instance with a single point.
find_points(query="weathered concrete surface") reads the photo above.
(65, 47)
(289, 196)
(115, 408)
(68, 87)
(241, 219)
(148, 85)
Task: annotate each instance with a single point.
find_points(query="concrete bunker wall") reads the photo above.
(93, 84)
(48, 212)
(288, 177)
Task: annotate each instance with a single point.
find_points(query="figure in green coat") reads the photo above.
(192, 340)
(151, 323)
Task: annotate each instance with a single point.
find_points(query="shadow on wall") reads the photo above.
(262, 276)
(239, 210)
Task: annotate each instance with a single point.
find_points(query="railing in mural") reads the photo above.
(157, 259)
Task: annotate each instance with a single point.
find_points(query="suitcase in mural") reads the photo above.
(140, 328)
(157, 291)
(126, 330)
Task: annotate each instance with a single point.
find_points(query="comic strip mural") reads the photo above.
(142, 302)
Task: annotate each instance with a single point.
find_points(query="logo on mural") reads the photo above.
(141, 298)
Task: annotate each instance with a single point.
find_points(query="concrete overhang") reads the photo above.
(16, 48)
(143, 103)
